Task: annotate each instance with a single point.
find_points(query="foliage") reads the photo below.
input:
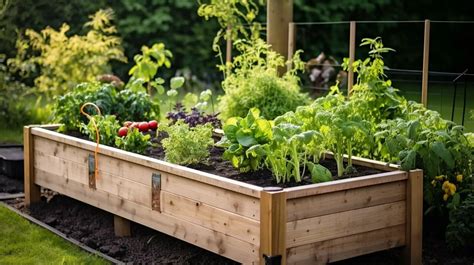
(125, 105)
(460, 231)
(134, 141)
(242, 139)
(187, 145)
(147, 65)
(254, 82)
(107, 126)
(59, 62)
(193, 118)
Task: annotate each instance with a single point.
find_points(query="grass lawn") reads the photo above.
(11, 135)
(24, 243)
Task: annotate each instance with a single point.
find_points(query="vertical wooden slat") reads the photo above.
(352, 44)
(291, 43)
(121, 226)
(279, 15)
(228, 55)
(426, 59)
(273, 224)
(414, 222)
(32, 191)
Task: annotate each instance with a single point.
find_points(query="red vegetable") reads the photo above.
(122, 132)
(134, 125)
(127, 123)
(153, 124)
(143, 126)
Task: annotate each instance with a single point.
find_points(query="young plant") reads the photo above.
(187, 145)
(107, 126)
(242, 138)
(193, 118)
(134, 141)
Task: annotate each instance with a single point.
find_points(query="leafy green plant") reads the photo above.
(134, 141)
(460, 231)
(243, 138)
(187, 145)
(59, 60)
(107, 126)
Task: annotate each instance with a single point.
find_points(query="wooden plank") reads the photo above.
(273, 225)
(235, 225)
(211, 240)
(159, 165)
(352, 46)
(121, 226)
(347, 247)
(228, 50)
(279, 15)
(345, 184)
(32, 191)
(291, 44)
(347, 223)
(426, 64)
(414, 215)
(113, 184)
(324, 204)
(217, 197)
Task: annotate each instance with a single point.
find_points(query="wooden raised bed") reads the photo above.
(312, 224)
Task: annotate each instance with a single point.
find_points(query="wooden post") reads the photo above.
(32, 191)
(413, 249)
(279, 16)
(352, 45)
(228, 54)
(273, 224)
(121, 226)
(291, 44)
(426, 59)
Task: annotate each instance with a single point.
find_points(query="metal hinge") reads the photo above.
(155, 191)
(91, 163)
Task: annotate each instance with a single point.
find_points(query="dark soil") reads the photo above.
(10, 185)
(94, 228)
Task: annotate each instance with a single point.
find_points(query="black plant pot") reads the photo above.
(11, 161)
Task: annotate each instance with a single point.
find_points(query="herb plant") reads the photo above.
(193, 118)
(187, 145)
(107, 126)
(134, 141)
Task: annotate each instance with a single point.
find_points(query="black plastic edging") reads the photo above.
(10, 196)
(62, 235)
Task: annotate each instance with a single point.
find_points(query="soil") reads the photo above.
(94, 227)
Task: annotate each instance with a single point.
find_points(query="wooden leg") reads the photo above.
(273, 226)
(32, 191)
(413, 249)
(121, 226)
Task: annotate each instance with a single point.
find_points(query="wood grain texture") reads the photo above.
(217, 197)
(360, 161)
(273, 225)
(32, 191)
(211, 240)
(202, 214)
(343, 224)
(121, 226)
(340, 201)
(347, 247)
(414, 232)
(162, 166)
(345, 184)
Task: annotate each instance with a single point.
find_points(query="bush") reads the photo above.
(460, 231)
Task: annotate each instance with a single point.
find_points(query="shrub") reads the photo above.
(460, 231)
(187, 145)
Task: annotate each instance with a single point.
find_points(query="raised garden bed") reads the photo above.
(312, 224)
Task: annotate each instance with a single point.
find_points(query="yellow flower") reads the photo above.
(459, 178)
(445, 197)
(452, 189)
(445, 186)
(439, 177)
(433, 182)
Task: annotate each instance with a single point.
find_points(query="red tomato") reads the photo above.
(143, 126)
(122, 131)
(127, 123)
(153, 124)
(134, 125)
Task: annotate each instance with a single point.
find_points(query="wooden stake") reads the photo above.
(273, 224)
(426, 59)
(228, 55)
(414, 223)
(121, 226)
(32, 191)
(352, 44)
(279, 15)
(291, 44)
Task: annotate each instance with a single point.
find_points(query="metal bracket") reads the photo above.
(91, 163)
(272, 260)
(155, 191)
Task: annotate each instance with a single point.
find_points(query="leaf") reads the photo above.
(176, 82)
(408, 160)
(440, 150)
(245, 137)
(412, 129)
(319, 173)
(255, 151)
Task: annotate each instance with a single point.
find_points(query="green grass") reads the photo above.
(24, 243)
(11, 135)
